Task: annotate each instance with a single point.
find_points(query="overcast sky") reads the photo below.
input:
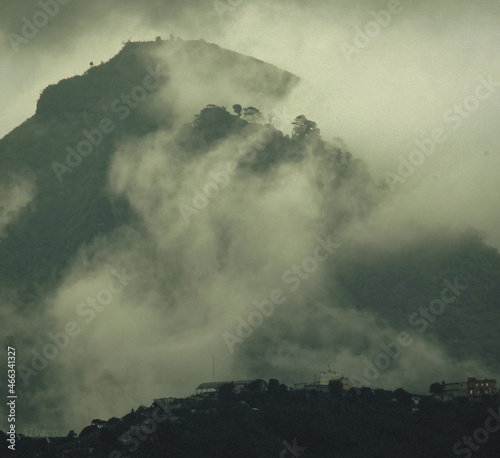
(427, 67)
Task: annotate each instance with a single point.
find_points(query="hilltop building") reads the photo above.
(322, 383)
(472, 387)
(454, 390)
(475, 387)
(239, 386)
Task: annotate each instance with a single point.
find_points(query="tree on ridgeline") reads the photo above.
(303, 128)
(436, 388)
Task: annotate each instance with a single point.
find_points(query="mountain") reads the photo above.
(221, 213)
(70, 205)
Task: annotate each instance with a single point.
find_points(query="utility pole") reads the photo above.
(213, 368)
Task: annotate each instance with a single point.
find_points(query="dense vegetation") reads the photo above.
(368, 424)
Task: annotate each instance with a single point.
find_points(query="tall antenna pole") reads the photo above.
(213, 368)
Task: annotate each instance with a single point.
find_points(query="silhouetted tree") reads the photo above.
(113, 421)
(303, 128)
(212, 116)
(88, 430)
(213, 123)
(254, 386)
(274, 387)
(403, 398)
(237, 109)
(252, 114)
(436, 388)
(98, 423)
(366, 394)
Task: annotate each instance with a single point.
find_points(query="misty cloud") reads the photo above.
(194, 280)
(13, 197)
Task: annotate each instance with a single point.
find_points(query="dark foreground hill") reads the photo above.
(283, 423)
